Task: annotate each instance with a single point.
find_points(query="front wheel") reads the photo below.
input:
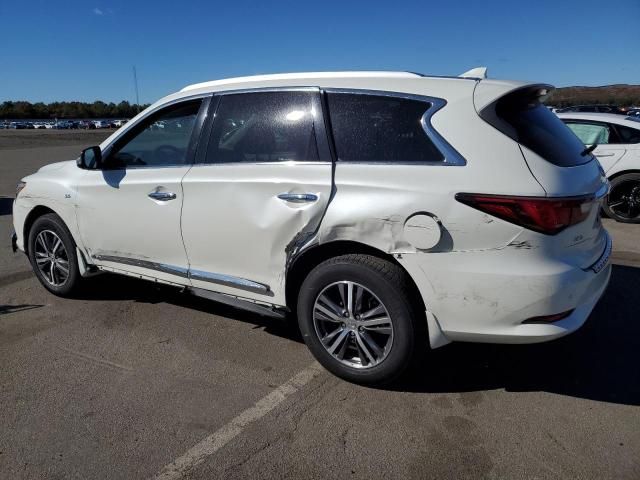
(52, 255)
(623, 202)
(357, 317)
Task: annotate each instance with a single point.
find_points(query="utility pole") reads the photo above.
(135, 81)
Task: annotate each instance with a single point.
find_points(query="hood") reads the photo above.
(57, 166)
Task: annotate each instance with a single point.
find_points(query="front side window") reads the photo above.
(590, 133)
(379, 128)
(264, 127)
(160, 140)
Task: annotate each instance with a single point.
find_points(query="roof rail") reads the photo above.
(294, 76)
(478, 72)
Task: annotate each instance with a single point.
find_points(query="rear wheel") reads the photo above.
(52, 255)
(357, 318)
(623, 202)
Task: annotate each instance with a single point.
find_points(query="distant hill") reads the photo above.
(622, 95)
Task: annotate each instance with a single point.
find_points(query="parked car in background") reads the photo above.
(119, 123)
(593, 109)
(618, 150)
(101, 124)
(384, 208)
(87, 125)
(17, 125)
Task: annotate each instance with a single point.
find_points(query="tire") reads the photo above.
(380, 283)
(623, 202)
(43, 240)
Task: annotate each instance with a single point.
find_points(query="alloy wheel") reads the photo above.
(353, 324)
(51, 258)
(624, 200)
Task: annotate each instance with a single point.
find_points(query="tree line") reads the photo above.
(621, 95)
(98, 109)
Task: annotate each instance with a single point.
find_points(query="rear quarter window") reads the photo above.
(379, 128)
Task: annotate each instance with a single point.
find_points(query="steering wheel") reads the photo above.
(167, 154)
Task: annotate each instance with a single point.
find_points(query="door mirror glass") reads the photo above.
(90, 158)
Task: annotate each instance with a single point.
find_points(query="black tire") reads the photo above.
(53, 223)
(623, 202)
(390, 284)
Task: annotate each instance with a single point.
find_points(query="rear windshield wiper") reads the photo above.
(589, 149)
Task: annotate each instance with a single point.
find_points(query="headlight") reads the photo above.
(19, 187)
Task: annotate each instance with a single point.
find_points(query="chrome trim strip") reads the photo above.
(134, 262)
(230, 281)
(604, 258)
(218, 278)
(451, 156)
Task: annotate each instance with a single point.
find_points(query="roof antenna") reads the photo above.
(135, 82)
(478, 72)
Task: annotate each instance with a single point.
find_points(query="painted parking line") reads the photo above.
(218, 439)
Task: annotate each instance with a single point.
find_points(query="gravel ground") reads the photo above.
(130, 377)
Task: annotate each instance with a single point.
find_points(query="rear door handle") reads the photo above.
(162, 196)
(605, 154)
(298, 197)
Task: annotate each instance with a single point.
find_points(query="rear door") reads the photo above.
(259, 192)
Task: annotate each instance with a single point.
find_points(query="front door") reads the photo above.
(129, 212)
(259, 195)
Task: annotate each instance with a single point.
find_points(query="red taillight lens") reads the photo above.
(542, 214)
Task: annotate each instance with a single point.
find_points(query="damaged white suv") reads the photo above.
(387, 210)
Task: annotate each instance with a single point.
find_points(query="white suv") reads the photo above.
(382, 208)
(616, 142)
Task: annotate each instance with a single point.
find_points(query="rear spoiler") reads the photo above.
(479, 73)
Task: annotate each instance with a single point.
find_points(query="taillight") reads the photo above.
(542, 214)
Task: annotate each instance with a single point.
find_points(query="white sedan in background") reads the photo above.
(618, 150)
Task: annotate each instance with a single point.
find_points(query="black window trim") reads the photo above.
(451, 157)
(127, 134)
(322, 140)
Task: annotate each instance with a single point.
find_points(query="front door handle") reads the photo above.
(605, 154)
(162, 196)
(298, 197)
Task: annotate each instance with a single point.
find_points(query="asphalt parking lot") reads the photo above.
(137, 381)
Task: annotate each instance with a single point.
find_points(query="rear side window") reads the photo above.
(590, 133)
(263, 127)
(378, 128)
(521, 116)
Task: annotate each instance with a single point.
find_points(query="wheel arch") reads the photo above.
(35, 213)
(308, 259)
(623, 172)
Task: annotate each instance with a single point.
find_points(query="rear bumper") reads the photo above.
(484, 296)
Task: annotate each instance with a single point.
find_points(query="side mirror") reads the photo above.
(90, 159)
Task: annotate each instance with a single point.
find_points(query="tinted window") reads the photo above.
(263, 127)
(590, 133)
(159, 140)
(522, 117)
(372, 128)
(627, 134)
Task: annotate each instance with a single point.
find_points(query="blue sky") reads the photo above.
(85, 50)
